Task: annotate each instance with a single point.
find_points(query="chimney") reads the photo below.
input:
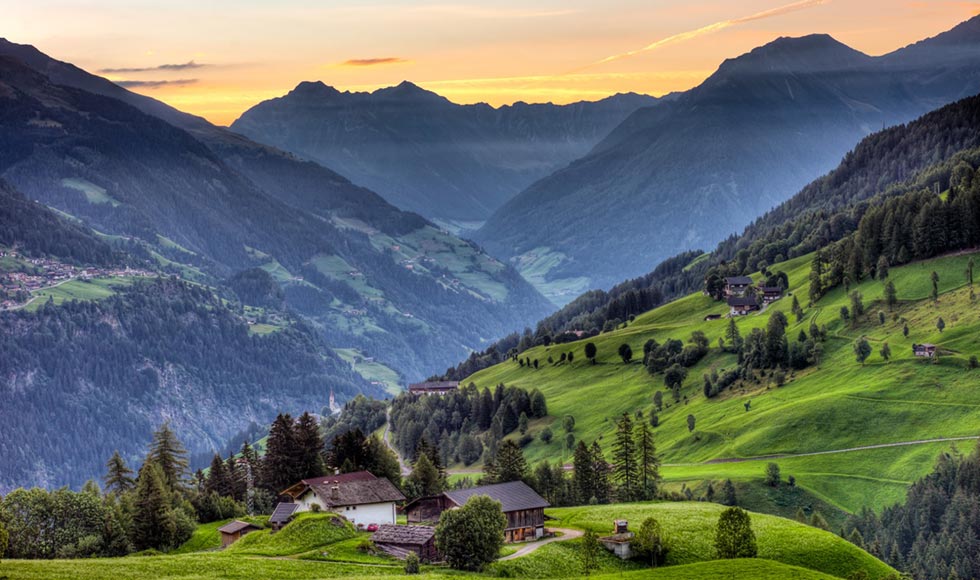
(335, 492)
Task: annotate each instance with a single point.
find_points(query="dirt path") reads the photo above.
(386, 437)
(812, 453)
(567, 534)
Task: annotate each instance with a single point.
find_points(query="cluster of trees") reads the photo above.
(633, 474)
(673, 358)
(361, 412)
(935, 534)
(155, 510)
(466, 424)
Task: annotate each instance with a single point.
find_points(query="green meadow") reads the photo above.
(93, 289)
(837, 405)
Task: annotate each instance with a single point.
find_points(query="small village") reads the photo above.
(39, 273)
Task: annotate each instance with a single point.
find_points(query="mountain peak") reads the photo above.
(315, 89)
(803, 54)
(408, 91)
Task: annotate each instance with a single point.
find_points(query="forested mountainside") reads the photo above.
(36, 232)
(109, 371)
(908, 158)
(209, 204)
(423, 153)
(684, 173)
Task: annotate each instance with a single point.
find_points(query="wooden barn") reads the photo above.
(399, 541)
(523, 507)
(737, 285)
(231, 532)
(770, 294)
(739, 306)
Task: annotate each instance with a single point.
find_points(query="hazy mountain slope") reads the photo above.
(228, 204)
(687, 173)
(426, 154)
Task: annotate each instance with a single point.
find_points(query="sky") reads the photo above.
(217, 58)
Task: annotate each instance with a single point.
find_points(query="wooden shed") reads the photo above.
(231, 532)
(399, 541)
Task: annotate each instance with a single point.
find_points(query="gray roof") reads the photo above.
(359, 492)
(739, 301)
(237, 526)
(739, 280)
(513, 496)
(411, 535)
(283, 512)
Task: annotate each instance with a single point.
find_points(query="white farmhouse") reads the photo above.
(360, 497)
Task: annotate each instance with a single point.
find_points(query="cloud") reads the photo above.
(374, 61)
(715, 27)
(163, 67)
(131, 84)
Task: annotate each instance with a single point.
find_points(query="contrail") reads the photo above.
(711, 28)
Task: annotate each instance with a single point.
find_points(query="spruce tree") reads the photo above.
(584, 473)
(891, 296)
(647, 460)
(309, 447)
(424, 480)
(168, 452)
(279, 466)
(119, 477)
(934, 277)
(217, 480)
(151, 506)
(510, 463)
(601, 474)
(625, 468)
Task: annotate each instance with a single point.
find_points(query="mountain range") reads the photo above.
(210, 203)
(453, 163)
(687, 173)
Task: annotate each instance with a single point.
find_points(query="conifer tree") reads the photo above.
(151, 505)
(602, 487)
(309, 447)
(624, 459)
(510, 463)
(119, 477)
(584, 473)
(935, 286)
(647, 460)
(279, 466)
(424, 480)
(168, 452)
(891, 296)
(217, 480)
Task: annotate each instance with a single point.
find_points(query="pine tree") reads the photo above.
(647, 460)
(279, 466)
(935, 286)
(601, 481)
(584, 473)
(510, 463)
(309, 447)
(891, 296)
(886, 352)
(424, 480)
(732, 335)
(624, 459)
(119, 477)
(728, 494)
(168, 452)
(151, 505)
(217, 480)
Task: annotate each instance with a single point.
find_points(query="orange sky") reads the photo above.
(223, 56)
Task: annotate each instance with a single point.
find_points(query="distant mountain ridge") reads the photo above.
(426, 154)
(689, 172)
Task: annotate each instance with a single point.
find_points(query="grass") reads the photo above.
(94, 289)
(837, 405)
(535, 266)
(206, 537)
(691, 528)
(93, 193)
(371, 371)
(306, 532)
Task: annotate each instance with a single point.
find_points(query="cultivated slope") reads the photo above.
(687, 173)
(837, 405)
(423, 153)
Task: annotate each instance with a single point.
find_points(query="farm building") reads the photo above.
(710, 317)
(231, 532)
(282, 514)
(737, 285)
(924, 350)
(619, 542)
(433, 387)
(523, 507)
(360, 497)
(398, 541)
(740, 305)
(770, 294)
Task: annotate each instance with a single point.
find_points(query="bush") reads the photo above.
(973, 362)
(546, 435)
(734, 537)
(412, 563)
(470, 537)
(650, 543)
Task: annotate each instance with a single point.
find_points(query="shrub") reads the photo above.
(974, 363)
(470, 537)
(412, 563)
(649, 542)
(734, 537)
(546, 435)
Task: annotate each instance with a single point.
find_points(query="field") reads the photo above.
(321, 546)
(371, 370)
(94, 289)
(838, 405)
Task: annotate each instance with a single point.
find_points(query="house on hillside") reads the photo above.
(924, 350)
(737, 285)
(231, 532)
(433, 387)
(399, 541)
(742, 305)
(523, 507)
(360, 497)
(770, 294)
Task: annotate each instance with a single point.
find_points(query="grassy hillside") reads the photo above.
(322, 546)
(837, 405)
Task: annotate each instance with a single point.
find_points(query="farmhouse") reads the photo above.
(741, 305)
(523, 507)
(399, 541)
(924, 350)
(360, 497)
(737, 285)
(233, 531)
(433, 387)
(770, 294)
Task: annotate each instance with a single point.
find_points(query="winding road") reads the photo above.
(567, 534)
